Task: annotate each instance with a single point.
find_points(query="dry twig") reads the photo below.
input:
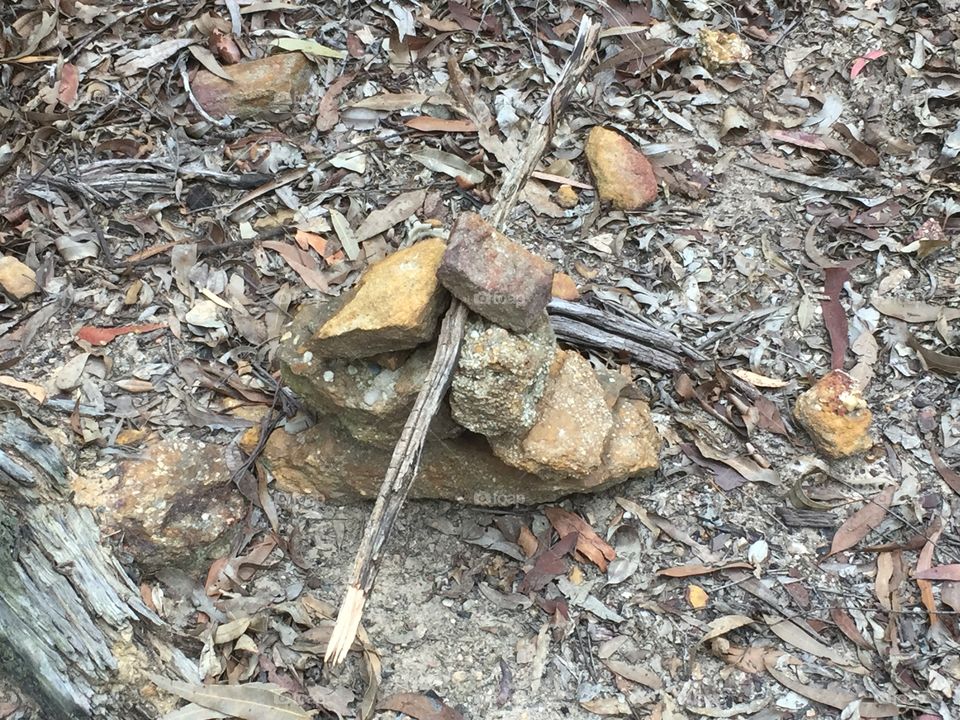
(406, 456)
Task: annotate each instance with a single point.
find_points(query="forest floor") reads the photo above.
(784, 242)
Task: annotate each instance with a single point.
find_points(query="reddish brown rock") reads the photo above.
(494, 276)
(622, 173)
(272, 84)
(174, 504)
(835, 415)
(395, 306)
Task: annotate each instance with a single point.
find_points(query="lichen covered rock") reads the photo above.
(500, 377)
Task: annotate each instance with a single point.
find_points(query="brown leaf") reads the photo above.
(421, 707)
(691, 569)
(768, 416)
(940, 572)
(428, 123)
(103, 336)
(863, 521)
(301, 263)
(69, 82)
(594, 547)
(848, 627)
(397, 210)
(934, 360)
(838, 699)
(950, 476)
(252, 701)
(834, 316)
(913, 311)
(328, 109)
(924, 563)
(551, 563)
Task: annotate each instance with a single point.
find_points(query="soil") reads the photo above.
(731, 258)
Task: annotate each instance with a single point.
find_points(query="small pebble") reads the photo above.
(328, 376)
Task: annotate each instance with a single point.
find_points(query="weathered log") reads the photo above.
(75, 635)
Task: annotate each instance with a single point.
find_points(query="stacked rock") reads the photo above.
(524, 422)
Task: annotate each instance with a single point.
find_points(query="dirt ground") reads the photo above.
(820, 155)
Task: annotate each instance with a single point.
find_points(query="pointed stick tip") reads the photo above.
(347, 625)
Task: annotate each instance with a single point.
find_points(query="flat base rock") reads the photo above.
(327, 462)
(174, 503)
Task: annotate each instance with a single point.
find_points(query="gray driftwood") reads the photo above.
(74, 633)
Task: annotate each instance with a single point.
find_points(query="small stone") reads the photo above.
(836, 416)
(395, 306)
(622, 173)
(569, 435)
(564, 287)
(566, 197)
(16, 278)
(500, 377)
(494, 276)
(269, 85)
(718, 49)
(174, 504)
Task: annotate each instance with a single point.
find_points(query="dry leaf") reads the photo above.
(863, 521)
(420, 707)
(692, 569)
(104, 336)
(913, 311)
(32, 389)
(396, 211)
(297, 260)
(838, 699)
(591, 545)
(924, 563)
(758, 380)
(252, 701)
(723, 625)
(426, 123)
(950, 476)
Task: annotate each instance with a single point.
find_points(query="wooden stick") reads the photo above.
(405, 461)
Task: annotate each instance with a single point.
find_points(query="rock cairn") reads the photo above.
(524, 420)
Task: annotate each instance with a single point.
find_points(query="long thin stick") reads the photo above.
(405, 461)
